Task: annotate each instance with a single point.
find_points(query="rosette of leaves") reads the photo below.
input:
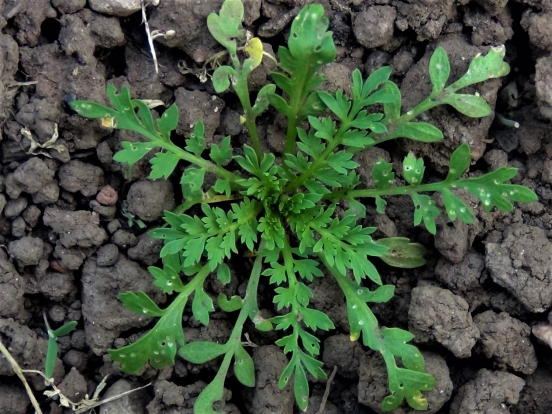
(283, 213)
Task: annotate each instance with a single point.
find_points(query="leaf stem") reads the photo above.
(319, 162)
(214, 391)
(375, 192)
(241, 89)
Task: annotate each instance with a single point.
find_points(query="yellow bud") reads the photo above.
(242, 119)
(254, 48)
(108, 122)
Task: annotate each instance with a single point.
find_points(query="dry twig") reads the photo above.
(19, 373)
(327, 391)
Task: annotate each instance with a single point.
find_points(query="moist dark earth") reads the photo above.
(68, 250)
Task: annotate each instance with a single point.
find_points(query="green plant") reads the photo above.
(53, 335)
(286, 212)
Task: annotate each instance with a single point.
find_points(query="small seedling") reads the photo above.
(53, 335)
(285, 211)
(131, 218)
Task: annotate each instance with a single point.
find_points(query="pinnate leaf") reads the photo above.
(133, 152)
(202, 351)
(222, 154)
(163, 165)
(158, 345)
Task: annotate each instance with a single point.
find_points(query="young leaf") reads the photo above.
(310, 46)
(380, 205)
(163, 164)
(483, 68)
(221, 154)
(168, 122)
(383, 175)
(376, 78)
(244, 367)
(314, 319)
(469, 105)
(223, 273)
(133, 152)
(439, 70)
(226, 25)
(221, 78)
(235, 303)
(201, 306)
(222, 187)
(140, 303)
(201, 352)
(301, 387)
(413, 169)
(51, 356)
(193, 178)
(337, 103)
(196, 143)
(459, 162)
(65, 329)
(401, 253)
(417, 131)
(262, 102)
(426, 210)
(158, 345)
(456, 207)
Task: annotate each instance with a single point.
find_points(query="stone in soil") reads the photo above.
(437, 314)
(49, 194)
(12, 289)
(266, 397)
(521, 263)
(107, 255)
(73, 386)
(373, 383)
(32, 175)
(79, 176)
(149, 199)
(15, 207)
(27, 250)
(121, 8)
(340, 351)
(13, 399)
(488, 392)
(105, 316)
(75, 228)
(536, 397)
(200, 106)
(543, 84)
(133, 403)
(507, 340)
(374, 27)
(146, 250)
